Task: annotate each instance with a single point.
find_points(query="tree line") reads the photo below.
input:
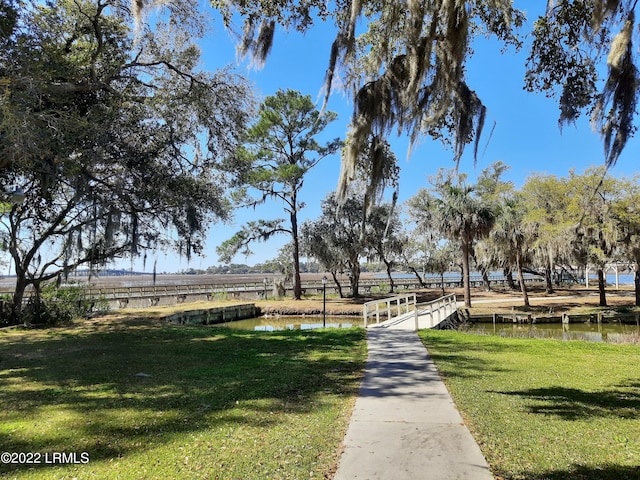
(551, 227)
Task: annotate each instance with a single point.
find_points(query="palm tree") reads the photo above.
(511, 236)
(463, 217)
(456, 213)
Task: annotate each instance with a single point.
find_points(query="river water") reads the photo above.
(271, 324)
(592, 332)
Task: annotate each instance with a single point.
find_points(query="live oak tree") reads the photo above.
(380, 222)
(592, 195)
(546, 199)
(112, 133)
(441, 258)
(421, 252)
(385, 241)
(342, 236)
(626, 213)
(277, 153)
(573, 43)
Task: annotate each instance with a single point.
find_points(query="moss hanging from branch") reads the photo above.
(615, 107)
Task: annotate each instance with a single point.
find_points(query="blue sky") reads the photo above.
(526, 135)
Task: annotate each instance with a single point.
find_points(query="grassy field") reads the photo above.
(545, 409)
(150, 401)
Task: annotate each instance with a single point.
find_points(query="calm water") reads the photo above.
(592, 332)
(272, 324)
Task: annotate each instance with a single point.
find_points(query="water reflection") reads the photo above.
(273, 324)
(590, 332)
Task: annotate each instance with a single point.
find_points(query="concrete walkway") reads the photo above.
(404, 424)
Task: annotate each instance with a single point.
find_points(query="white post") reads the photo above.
(365, 312)
(586, 277)
(415, 316)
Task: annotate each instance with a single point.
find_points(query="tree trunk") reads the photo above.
(523, 286)
(465, 274)
(547, 277)
(21, 277)
(18, 296)
(508, 274)
(485, 279)
(297, 282)
(636, 281)
(442, 283)
(601, 288)
(335, 279)
(388, 265)
(415, 272)
(355, 279)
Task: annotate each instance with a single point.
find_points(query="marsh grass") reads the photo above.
(151, 401)
(545, 409)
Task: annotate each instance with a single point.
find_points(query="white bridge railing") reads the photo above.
(425, 315)
(430, 314)
(388, 307)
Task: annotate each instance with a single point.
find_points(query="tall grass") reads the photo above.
(546, 409)
(178, 402)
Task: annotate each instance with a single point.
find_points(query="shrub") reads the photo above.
(57, 305)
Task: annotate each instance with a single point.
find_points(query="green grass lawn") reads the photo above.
(546, 409)
(151, 401)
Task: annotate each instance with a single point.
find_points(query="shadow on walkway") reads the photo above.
(405, 424)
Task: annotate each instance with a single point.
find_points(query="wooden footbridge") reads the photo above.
(403, 312)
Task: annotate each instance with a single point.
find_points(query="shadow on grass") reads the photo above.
(122, 390)
(456, 358)
(622, 401)
(582, 472)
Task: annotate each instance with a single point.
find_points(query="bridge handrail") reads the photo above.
(447, 304)
(372, 308)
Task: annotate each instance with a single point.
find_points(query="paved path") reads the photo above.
(404, 424)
